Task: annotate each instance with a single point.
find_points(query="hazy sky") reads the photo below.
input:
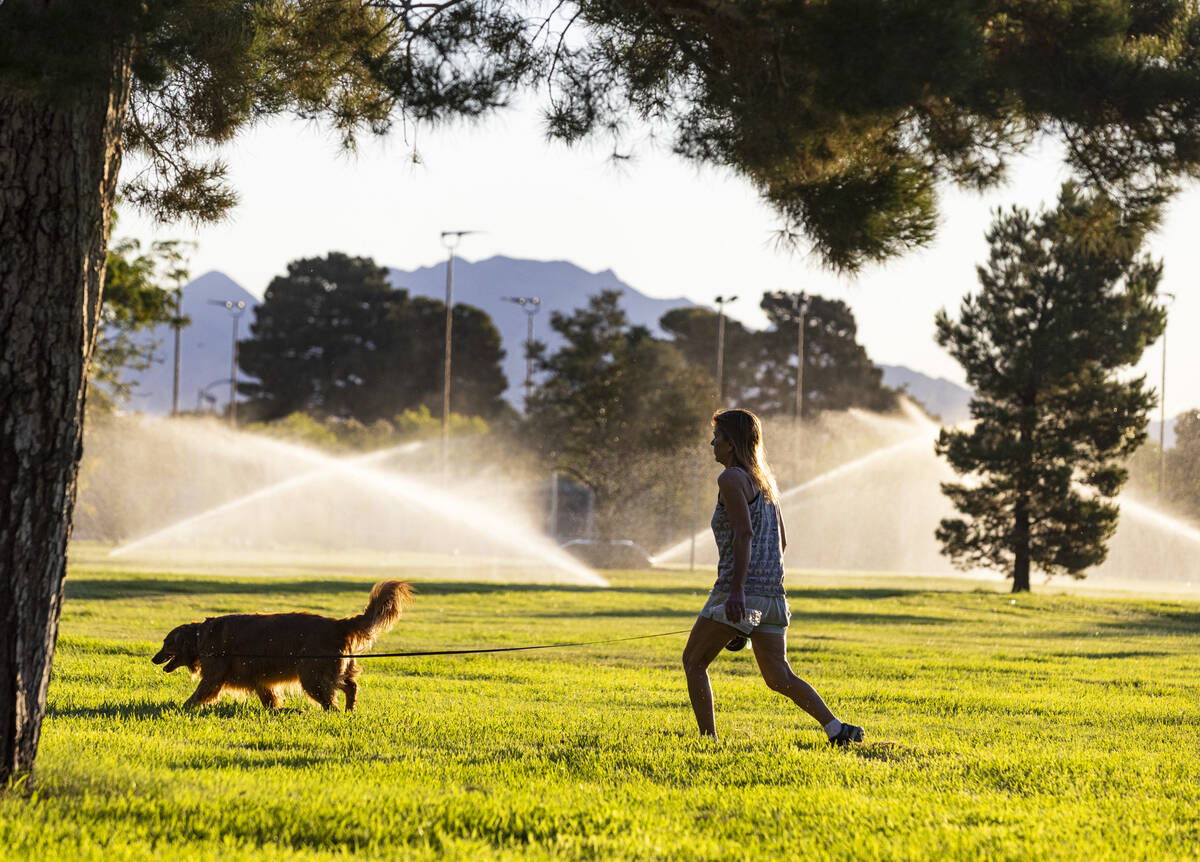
(664, 226)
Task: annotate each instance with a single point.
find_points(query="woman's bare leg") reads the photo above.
(771, 653)
(704, 644)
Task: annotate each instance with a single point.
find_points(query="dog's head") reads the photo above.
(181, 648)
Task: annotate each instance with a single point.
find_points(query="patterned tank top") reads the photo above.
(764, 575)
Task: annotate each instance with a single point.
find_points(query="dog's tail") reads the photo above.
(387, 602)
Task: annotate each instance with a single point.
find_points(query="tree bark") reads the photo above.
(1021, 548)
(58, 171)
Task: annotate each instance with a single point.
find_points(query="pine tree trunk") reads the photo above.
(58, 171)
(1021, 548)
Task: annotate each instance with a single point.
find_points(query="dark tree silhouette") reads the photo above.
(838, 374)
(760, 367)
(1066, 304)
(333, 338)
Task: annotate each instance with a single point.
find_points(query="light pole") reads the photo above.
(236, 310)
(1162, 406)
(800, 311)
(801, 307)
(177, 325)
(450, 239)
(720, 301)
(531, 305)
(174, 255)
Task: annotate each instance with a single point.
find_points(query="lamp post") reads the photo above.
(450, 239)
(177, 325)
(531, 305)
(173, 254)
(801, 307)
(236, 310)
(799, 303)
(720, 301)
(1162, 406)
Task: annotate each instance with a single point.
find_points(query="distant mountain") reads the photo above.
(206, 348)
(937, 395)
(952, 402)
(561, 286)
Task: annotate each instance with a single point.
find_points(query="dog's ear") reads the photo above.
(193, 647)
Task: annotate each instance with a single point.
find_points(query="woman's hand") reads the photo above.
(735, 605)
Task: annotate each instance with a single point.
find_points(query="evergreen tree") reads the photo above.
(622, 413)
(694, 332)
(846, 114)
(838, 374)
(1065, 305)
(760, 367)
(332, 338)
(1183, 466)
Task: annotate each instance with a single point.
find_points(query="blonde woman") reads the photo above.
(747, 600)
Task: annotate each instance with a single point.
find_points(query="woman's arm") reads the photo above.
(782, 531)
(732, 485)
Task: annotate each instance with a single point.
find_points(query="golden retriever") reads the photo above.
(262, 652)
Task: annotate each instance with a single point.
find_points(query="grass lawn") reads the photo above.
(1058, 726)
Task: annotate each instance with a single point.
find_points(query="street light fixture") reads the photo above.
(1162, 405)
(450, 239)
(236, 309)
(531, 305)
(720, 301)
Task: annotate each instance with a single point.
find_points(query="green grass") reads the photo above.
(1055, 727)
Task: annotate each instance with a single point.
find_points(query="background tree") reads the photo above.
(477, 380)
(620, 411)
(1183, 466)
(334, 339)
(134, 302)
(1065, 304)
(760, 366)
(694, 332)
(319, 340)
(832, 110)
(838, 374)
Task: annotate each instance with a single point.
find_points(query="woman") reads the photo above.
(748, 598)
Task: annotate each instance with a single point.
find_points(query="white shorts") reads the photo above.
(767, 614)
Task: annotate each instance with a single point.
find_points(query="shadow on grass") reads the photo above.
(864, 618)
(1117, 654)
(1146, 624)
(129, 588)
(674, 614)
(225, 709)
(827, 593)
(140, 710)
(137, 587)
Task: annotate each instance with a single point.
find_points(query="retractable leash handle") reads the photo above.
(418, 653)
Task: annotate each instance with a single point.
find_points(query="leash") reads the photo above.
(446, 651)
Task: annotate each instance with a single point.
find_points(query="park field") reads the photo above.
(1058, 725)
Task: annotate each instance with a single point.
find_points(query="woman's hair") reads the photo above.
(742, 429)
